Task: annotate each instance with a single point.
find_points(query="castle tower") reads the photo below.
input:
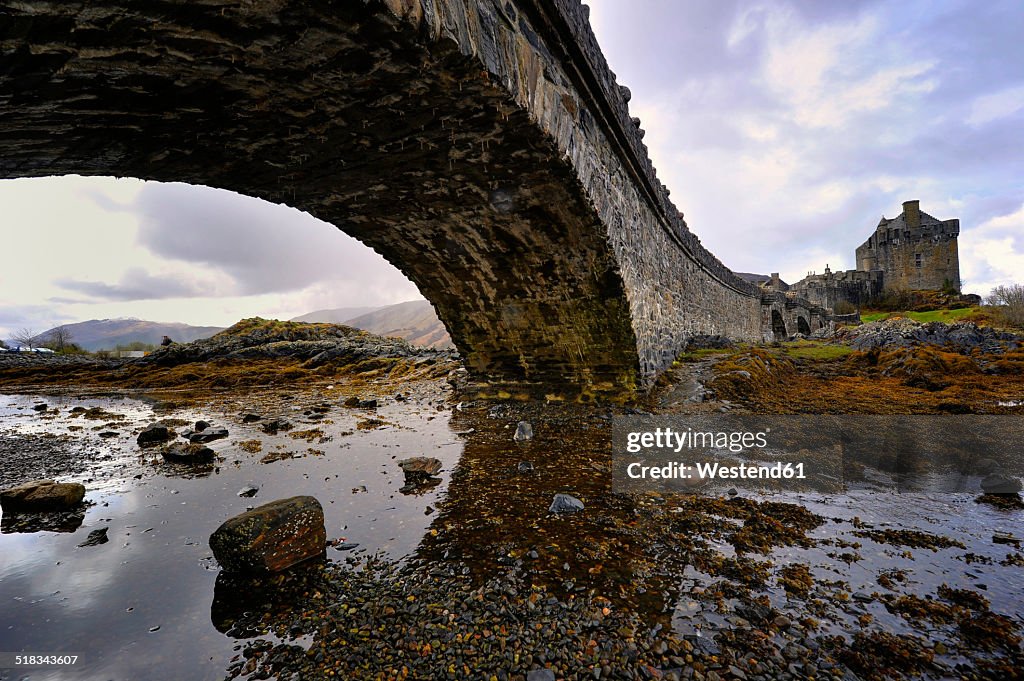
(914, 251)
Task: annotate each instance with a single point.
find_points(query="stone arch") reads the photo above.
(802, 326)
(398, 140)
(778, 326)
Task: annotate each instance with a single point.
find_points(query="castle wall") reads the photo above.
(928, 263)
(832, 288)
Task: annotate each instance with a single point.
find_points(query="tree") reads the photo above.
(25, 337)
(59, 339)
(1011, 301)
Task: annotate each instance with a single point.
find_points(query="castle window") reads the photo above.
(917, 259)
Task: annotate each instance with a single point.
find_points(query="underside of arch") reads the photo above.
(350, 114)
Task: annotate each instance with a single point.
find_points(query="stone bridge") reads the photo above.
(483, 147)
(784, 315)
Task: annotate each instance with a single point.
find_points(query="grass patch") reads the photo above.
(947, 316)
(815, 351)
(694, 355)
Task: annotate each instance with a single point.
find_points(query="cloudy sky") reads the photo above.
(784, 130)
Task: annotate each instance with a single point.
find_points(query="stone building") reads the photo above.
(915, 251)
(911, 252)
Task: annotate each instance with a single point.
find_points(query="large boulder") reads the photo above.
(208, 435)
(154, 434)
(272, 537)
(998, 483)
(42, 495)
(190, 453)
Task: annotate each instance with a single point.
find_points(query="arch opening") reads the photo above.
(802, 326)
(98, 248)
(778, 326)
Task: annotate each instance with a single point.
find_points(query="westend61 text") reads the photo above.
(716, 471)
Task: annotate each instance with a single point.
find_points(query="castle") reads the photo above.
(911, 252)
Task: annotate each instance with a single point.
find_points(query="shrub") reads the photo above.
(844, 307)
(1010, 301)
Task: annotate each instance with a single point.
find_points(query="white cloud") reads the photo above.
(828, 74)
(992, 254)
(997, 105)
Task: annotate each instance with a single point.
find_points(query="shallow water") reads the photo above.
(139, 606)
(146, 604)
(954, 516)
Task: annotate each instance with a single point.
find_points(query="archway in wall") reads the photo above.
(400, 142)
(778, 326)
(802, 326)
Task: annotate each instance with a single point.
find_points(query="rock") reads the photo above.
(42, 495)
(272, 426)
(248, 491)
(863, 597)
(999, 483)
(732, 492)
(540, 675)
(351, 402)
(985, 466)
(271, 537)
(108, 434)
(524, 431)
(251, 418)
(782, 622)
(208, 435)
(1005, 538)
(565, 503)
(754, 611)
(201, 426)
(420, 471)
(96, 537)
(155, 434)
(367, 404)
(525, 467)
(190, 453)
(39, 407)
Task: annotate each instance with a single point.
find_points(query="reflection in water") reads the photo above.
(53, 521)
(496, 513)
(139, 606)
(240, 602)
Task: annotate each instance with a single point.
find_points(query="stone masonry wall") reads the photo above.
(483, 148)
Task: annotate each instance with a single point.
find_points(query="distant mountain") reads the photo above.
(415, 321)
(337, 315)
(105, 334)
